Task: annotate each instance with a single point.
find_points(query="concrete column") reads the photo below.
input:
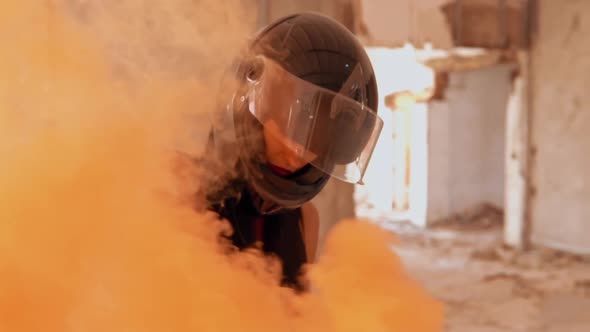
(516, 158)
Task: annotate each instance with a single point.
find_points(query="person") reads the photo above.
(299, 107)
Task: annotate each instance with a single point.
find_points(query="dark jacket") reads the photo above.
(229, 196)
(282, 233)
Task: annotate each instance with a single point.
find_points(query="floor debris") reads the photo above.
(489, 287)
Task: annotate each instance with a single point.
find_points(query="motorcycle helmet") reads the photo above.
(306, 81)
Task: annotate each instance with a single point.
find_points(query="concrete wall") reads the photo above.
(561, 126)
(466, 138)
(439, 161)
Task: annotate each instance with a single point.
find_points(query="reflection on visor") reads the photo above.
(328, 130)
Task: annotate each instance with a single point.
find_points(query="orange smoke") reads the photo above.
(93, 235)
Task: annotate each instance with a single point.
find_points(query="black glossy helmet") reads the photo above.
(306, 81)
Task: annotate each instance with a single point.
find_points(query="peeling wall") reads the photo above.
(466, 136)
(560, 210)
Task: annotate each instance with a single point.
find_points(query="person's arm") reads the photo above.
(311, 229)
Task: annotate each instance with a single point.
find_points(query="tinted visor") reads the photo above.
(329, 130)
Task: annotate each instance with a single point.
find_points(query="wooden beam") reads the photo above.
(454, 61)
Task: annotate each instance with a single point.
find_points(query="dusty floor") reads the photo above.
(489, 288)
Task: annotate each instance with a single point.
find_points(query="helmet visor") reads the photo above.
(329, 130)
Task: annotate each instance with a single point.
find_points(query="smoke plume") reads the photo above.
(94, 236)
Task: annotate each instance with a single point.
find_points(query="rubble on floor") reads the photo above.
(479, 217)
(489, 287)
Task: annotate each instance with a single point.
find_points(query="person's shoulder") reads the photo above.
(310, 220)
(310, 217)
(310, 211)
